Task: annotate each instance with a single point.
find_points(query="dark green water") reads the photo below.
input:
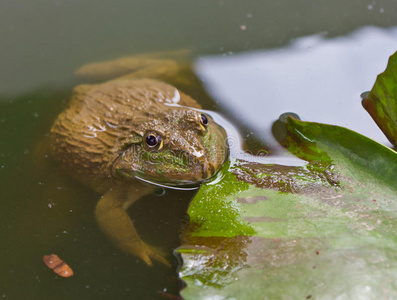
(42, 43)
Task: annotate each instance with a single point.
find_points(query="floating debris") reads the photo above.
(57, 265)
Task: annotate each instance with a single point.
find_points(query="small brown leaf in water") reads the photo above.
(57, 265)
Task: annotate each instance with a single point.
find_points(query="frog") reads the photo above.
(130, 132)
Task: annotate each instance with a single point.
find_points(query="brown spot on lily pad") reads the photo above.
(287, 179)
(263, 219)
(252, 200)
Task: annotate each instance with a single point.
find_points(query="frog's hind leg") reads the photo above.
(159, 65)
(114, 221)
(173, 67)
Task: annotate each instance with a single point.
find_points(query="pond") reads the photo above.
(256, 60)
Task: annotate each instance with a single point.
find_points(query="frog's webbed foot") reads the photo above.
(116, 224)
(151, 252)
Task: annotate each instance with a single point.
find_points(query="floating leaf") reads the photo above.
(381, 102)
(325, 229)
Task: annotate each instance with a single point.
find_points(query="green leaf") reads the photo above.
(381, 102)
(356, 155)
(325, 229)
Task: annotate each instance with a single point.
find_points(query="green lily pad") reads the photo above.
(381, 102)
(325, 229)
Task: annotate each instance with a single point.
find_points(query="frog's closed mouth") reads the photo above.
(114, 135)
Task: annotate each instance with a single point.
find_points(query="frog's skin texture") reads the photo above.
(112, 133)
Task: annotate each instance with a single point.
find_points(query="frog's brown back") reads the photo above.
(87, 136)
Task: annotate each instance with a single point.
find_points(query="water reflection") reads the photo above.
(237, 151)
(319, 79)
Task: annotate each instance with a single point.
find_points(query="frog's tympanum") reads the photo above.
(113, 136)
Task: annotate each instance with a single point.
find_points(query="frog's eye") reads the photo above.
(153, 141)
(203, 120)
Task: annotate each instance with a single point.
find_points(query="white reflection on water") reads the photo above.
(319, 79)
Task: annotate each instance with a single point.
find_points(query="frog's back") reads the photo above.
(87, 136)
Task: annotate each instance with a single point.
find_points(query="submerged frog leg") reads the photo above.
(173, 67)
(156, 65)
(114, 221)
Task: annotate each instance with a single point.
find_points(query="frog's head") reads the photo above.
(178, 147)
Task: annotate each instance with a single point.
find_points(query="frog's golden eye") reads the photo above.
(203, 120)
(153, 141)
